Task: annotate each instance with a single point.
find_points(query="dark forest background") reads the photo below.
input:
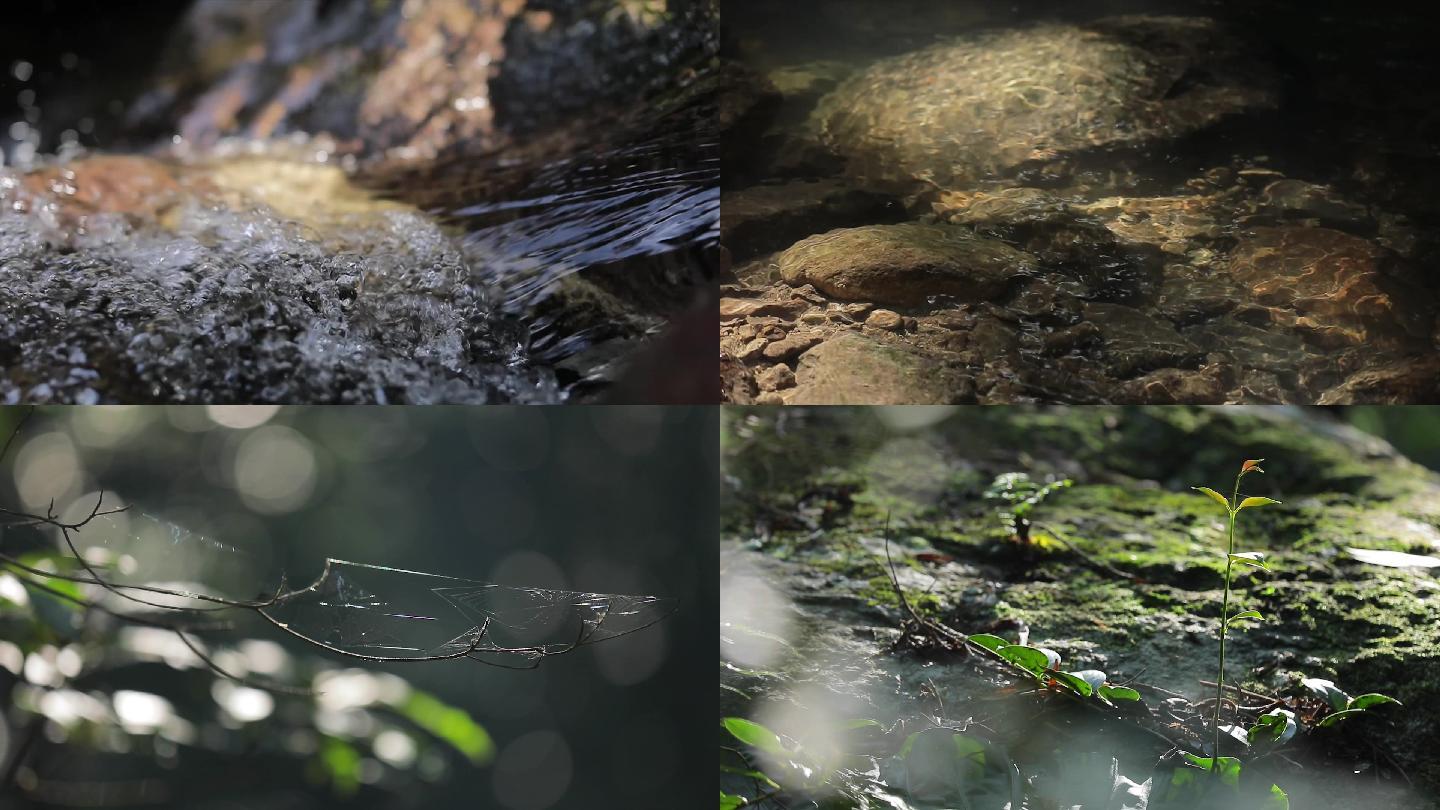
(597, 499)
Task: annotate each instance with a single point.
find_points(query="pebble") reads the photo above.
(752, 350)
(775, 378)
(789, 347)
(885, 319)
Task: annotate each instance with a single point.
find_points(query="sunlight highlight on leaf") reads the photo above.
(1393, 559)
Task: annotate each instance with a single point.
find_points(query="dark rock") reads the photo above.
(1297, 199)
(764, 219)
(1270, 349)
(1064, 341)
(1406, 381)
(1173, 386)
(1135, 341)
(1188, 295)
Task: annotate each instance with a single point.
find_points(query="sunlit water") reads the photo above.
(1226, 207)
(260, 261)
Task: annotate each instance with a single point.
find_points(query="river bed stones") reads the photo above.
(1153, 243)
(982, 106)
(763, 219)
(1341, 285)
(1135, 342)
(852, 369)
(1175, 225)
(904, 264)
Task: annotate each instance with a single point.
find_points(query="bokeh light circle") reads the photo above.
(275, 470)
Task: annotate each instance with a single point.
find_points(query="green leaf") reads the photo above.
(1277, 800)
(730, 801)
(341, 762)
(1332, 719)
(1276, 726)
(1246, 614)
(1075, 684)
(988, 641)
(1369, 699)
(1328, 692)
(754, 735)
(1228, 767)
(1255, 500)
(1254, 558)
(1035, 660)
(450, 724)
(1220, 499)
(1118, 693)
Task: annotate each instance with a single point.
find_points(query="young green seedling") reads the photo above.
(1233, 507)
(1017, 496)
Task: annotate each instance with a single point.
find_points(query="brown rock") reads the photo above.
(736, 383)
(1408, 381)
(138, 187)
(733, 309)
(775, 378)
(753, 349)
(1063, 341)
(852, 369)
(903, 264)
(790, 346)
(1174, 386)
(1342, 286)
(885, 319)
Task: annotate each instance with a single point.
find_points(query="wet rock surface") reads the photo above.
(180, 296)
(361, 201)
(902, 264)
(1167, 236)
(987, 104)
(1336, 282)
(803, 558)
(855, 369)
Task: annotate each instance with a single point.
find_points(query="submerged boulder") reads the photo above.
(1346, 289)
(903, 264)
(982, 106)
(852, 369)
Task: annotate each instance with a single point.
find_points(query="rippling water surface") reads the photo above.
(1205, 202)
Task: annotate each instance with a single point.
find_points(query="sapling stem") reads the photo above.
(1233, 507)
(1225, 617)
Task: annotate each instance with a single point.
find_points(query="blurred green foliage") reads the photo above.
(1413, 429)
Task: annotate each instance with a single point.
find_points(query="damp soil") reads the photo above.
(1206, 203)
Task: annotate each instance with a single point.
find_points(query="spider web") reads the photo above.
(355, 609)
(392, 613)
